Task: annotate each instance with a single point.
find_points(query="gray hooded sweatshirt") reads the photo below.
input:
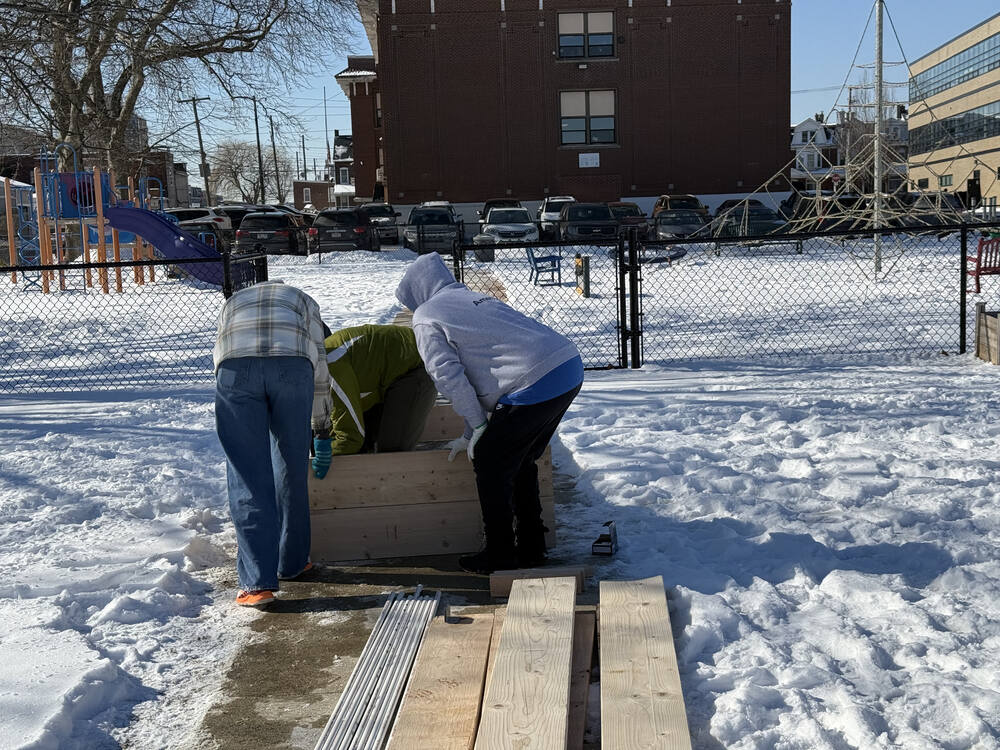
(475, 348)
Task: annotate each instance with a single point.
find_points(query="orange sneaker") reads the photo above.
(309, 566)
(254, 598)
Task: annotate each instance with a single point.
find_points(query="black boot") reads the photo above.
(531, 544)
(490, 558)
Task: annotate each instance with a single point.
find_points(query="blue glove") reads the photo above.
(323, 447)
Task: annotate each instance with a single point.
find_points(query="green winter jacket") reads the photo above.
(364, 361)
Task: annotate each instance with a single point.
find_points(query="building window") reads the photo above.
(586, 35)
(923, 183)
(807, 135)
(378, 109)
(345, 178)
(970, 63)
(587, 117)
(945, 180)
(307, 195)
(975, 174)
(967, 127)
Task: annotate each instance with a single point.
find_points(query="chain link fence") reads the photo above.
(115, 326)
(574, 289)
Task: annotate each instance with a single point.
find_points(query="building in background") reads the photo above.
(955, 116)
(169, 176)
(360, 84)
(315, 195)
(465, 100)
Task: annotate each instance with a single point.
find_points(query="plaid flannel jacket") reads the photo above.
(272, 319)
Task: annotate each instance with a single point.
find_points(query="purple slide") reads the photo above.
(169, 240)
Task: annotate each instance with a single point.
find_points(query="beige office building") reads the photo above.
(955, 115)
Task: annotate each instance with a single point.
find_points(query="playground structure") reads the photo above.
(65, 212)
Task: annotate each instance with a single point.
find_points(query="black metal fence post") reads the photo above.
(963, 303)
(622, 304)
(635, 329)
(227, 273)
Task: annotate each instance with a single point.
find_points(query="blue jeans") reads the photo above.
(263, 407)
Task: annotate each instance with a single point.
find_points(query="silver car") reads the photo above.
(677, 223)
(507, 225)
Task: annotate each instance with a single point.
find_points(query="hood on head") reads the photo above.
(426, 277)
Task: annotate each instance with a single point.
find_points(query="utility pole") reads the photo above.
(277, 174)
(879, 126)
(205, 170)
(260, 154)
(305, 164)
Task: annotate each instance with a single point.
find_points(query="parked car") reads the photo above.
(206, 232)
(507, 225)
(496, 203)
(681, 202)
(343, 229)
(304, 218)
(587, 222)
(629, 215)
(432, 228)
(748, 221)
(236, 212)
(790, 205)
(934, 210)
(678, 223)
(548, 215)
(455, 216)
(271, 232)
(200, 214)
(383, 216)
(732, 203)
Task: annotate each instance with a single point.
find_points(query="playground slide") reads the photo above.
(168, 239)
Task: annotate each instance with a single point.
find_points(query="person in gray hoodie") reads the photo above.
(511, 379)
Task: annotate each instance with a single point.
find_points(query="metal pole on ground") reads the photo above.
(138, 271)
(635, 334)
(879, 126)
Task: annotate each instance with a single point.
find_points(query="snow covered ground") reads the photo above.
(826, 528)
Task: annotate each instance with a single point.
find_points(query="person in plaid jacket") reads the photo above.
(271, 382)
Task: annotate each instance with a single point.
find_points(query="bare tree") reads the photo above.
(235, 168)
(80, 69)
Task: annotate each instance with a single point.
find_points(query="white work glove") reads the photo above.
(476, 434)
(457, 445)
(467, 444)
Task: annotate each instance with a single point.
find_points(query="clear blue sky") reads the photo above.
(825, 35)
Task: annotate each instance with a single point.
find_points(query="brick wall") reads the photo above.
(471, 98)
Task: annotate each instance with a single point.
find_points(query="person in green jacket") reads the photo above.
(381, 392)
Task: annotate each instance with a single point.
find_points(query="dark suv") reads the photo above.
(383, 216)
(271, 232)
(432, 229)
(343, 229)
(587, 222)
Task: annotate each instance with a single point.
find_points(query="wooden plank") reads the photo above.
(443, 423)
(579, 689)
(404, 530)
(406, 477)
(501, 580)
(499, 615)
(527, 698)
(440, 710)
(642, 705)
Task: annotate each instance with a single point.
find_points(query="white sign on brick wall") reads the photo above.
(590, 160)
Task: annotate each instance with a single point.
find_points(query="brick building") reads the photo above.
(471, 99)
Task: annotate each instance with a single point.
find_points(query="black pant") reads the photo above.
(396, 423)
(506, 474)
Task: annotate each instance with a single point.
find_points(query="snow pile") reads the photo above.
(829, 537)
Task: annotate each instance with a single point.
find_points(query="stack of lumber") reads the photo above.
(519, 677)
(365, 710)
